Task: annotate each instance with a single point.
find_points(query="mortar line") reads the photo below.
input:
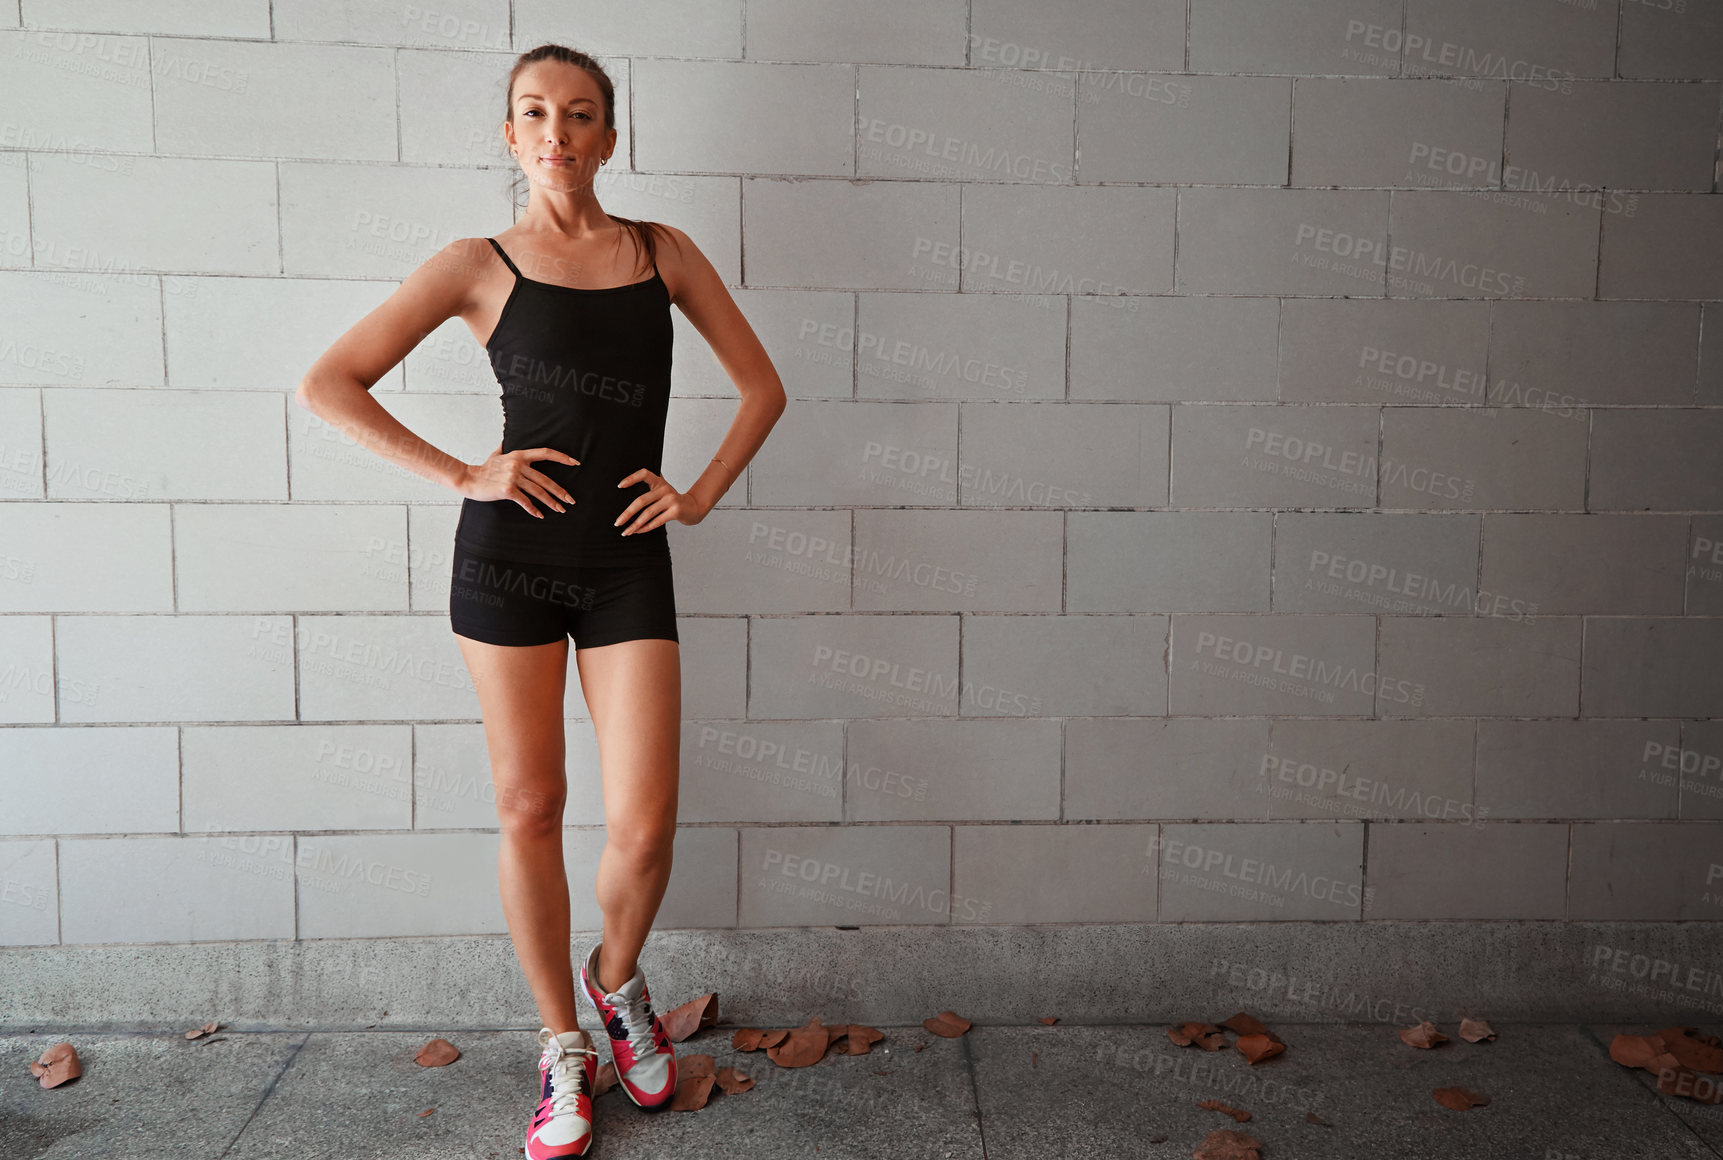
(1476, 733)
(1363, 865)
(1187, 65)
(298, 931)
(1717, 152)
(1567, 878)
(54, 667)
(1615, 56)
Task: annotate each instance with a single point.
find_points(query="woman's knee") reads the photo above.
(647, 843)
(526, 810)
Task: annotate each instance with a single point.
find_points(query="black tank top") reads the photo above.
(587, 372)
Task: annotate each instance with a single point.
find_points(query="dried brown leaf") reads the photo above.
(57, 1065)
(1245, 1024)
(1476, 1031)
(1313, 1118)
(835, 1032)
(1423, 1035)
(1226, 1144)
(947, 1023)
(1257, 1048)
(1459, 1098)
(691, 1093)
(770, 1039)
(1049, 1020)
(731, 1081)
(1204, 1035)
(800, 1047)
(200, 1032)
(694, 1063)
(1636, 1050)
(426, 1112)
(1693, 1052)
(437, 1053)
(1238, 1114)
(746, 1039)
(860, 1038)
(694, 1015)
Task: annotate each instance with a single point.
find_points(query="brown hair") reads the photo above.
(643, 230)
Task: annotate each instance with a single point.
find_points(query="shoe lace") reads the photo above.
(568, 1078)
(637, 1019)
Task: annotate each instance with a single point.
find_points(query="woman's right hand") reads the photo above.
(510, 475)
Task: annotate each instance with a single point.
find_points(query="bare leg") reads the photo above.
(520, 696)
(634, 693)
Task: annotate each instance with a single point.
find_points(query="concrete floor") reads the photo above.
(999, 1092)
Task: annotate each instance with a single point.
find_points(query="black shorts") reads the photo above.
(511, 603)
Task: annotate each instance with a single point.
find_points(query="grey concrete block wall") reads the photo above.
(1245, 463)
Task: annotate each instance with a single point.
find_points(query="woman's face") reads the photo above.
(556, 126)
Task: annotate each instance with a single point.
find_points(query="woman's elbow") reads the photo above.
(316, 388)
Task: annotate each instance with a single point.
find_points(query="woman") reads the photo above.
(562, 532)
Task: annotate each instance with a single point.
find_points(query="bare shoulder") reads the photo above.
(444, 286)
(454, 270)
(687, 273)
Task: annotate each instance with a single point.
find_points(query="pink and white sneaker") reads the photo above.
(562, 1125)
(645, 1061)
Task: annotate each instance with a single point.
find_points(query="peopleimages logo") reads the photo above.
(1424, 56)
(911, 146)
(1278, 881)
(274, 855)
(1298, 667)
(1323, 787)
(1655, 978)
(1366, 575)
(863, 667)
(829, 876)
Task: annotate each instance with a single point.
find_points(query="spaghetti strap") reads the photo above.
(504, 257)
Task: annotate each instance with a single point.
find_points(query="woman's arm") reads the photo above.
(337, 388)
(706, 302)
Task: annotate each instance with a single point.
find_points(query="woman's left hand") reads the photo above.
(660, 502)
